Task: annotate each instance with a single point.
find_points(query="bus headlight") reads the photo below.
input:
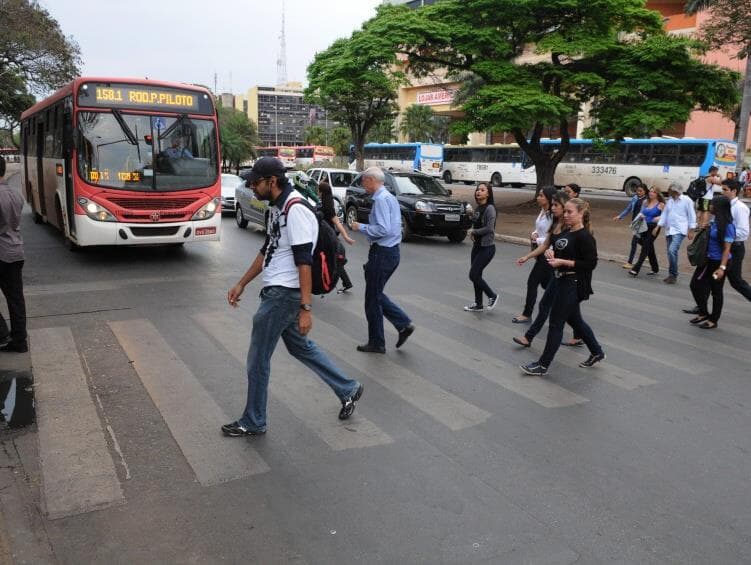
(207, 211)
(422, 206)
(95, 211)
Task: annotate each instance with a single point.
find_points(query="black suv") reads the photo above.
(427, 207)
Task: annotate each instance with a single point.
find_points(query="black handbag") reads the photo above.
(697, 249)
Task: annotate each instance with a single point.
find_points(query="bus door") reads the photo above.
(40, 166)
(68, 146)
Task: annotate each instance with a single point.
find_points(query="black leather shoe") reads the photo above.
(12, 347)
(367, 348)
(236, 429)
(694, 310)
(404, 334)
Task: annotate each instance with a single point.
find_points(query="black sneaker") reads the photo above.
(592, 360)
(368, 348)
(236, 429)
(404, 334)
(473, 308)
(13, 347)
(534, 369)
(348, 404)
(492, 302)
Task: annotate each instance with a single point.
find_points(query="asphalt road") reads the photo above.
(452, 455)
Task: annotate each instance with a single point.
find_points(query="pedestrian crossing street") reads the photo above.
(78, 460)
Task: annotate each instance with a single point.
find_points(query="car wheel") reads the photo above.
(351, 215)
(447, 178)
(629, 187)
(242, 223)
(457, 236)
(406, 230)
(496, 179)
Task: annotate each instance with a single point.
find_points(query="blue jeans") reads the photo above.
(674, 244)
(277, 317)
(382, 262)
(566, 308)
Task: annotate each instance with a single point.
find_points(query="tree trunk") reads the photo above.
(745, 111)
(545, 169)
(360, 153)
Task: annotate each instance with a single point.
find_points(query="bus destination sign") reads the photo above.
(144, 97)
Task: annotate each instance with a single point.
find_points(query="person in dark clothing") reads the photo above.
(573, 255)
(709, 278)
(11, 266)
(330, 217)
(633, 207)
(541, 272)
(483, 247)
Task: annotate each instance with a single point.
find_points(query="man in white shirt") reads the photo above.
(678, 218)
(740, 212)
(285, 310)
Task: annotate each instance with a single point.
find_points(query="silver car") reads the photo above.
(229, 184)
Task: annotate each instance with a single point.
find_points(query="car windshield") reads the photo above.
(418, 184)
(139, 152)
(341, 179)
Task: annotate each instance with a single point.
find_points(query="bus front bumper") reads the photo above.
(90, 232)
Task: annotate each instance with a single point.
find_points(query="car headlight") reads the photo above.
(422, 206)
(95, 211)
(468, 208)
(207, 211)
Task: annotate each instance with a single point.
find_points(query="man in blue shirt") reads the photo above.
(384, 232)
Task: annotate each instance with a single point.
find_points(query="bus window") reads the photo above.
(639, 153)
(692, 155)
(665, 154)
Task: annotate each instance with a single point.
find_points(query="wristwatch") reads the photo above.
(306, 307)
(723, 267)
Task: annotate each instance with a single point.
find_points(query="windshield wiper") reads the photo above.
(123, 126)
(181, 119)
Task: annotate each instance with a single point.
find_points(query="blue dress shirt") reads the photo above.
(384, 225)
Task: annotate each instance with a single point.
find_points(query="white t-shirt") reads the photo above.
(298, 227)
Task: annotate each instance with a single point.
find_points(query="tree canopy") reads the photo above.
(528, 65)
(417, 123)
(239, 137)
(35, 57)
(356, 81)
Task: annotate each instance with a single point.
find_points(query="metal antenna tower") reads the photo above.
(281, 62)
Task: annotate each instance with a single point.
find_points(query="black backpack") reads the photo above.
(697, 188)
(325, 268)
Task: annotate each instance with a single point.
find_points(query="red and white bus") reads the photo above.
(124, 162)
(308, 155)
(285, 154)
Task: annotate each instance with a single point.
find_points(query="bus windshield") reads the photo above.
(143, 153)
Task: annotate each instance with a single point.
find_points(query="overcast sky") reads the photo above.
(190, 40)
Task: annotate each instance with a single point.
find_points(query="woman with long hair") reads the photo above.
(573, 256)
(541, 271)
(633, 207)
(709, 278)
(483, 246)
(330, 217)
(651, 210)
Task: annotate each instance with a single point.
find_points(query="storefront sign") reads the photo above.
(434, 97)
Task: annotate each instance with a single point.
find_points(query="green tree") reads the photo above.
(729, 26)
(356, 81)
(315, 135)
(382, 132)
(239, 137)
(535, 63)
(340, 138)
(417, 123)
(35, 56)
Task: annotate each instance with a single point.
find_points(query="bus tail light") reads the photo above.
(95, 211)
(207, 211)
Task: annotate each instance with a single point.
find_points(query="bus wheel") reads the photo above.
(406, 230)
(242, 223)
(457, 236)
(629, 187)
(447, 178)
(496, 179)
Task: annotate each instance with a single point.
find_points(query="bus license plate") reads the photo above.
(451, 217)
(205, 231)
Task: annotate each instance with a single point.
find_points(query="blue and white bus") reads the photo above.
(406, 157)
(497, 164)
(656, 161)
